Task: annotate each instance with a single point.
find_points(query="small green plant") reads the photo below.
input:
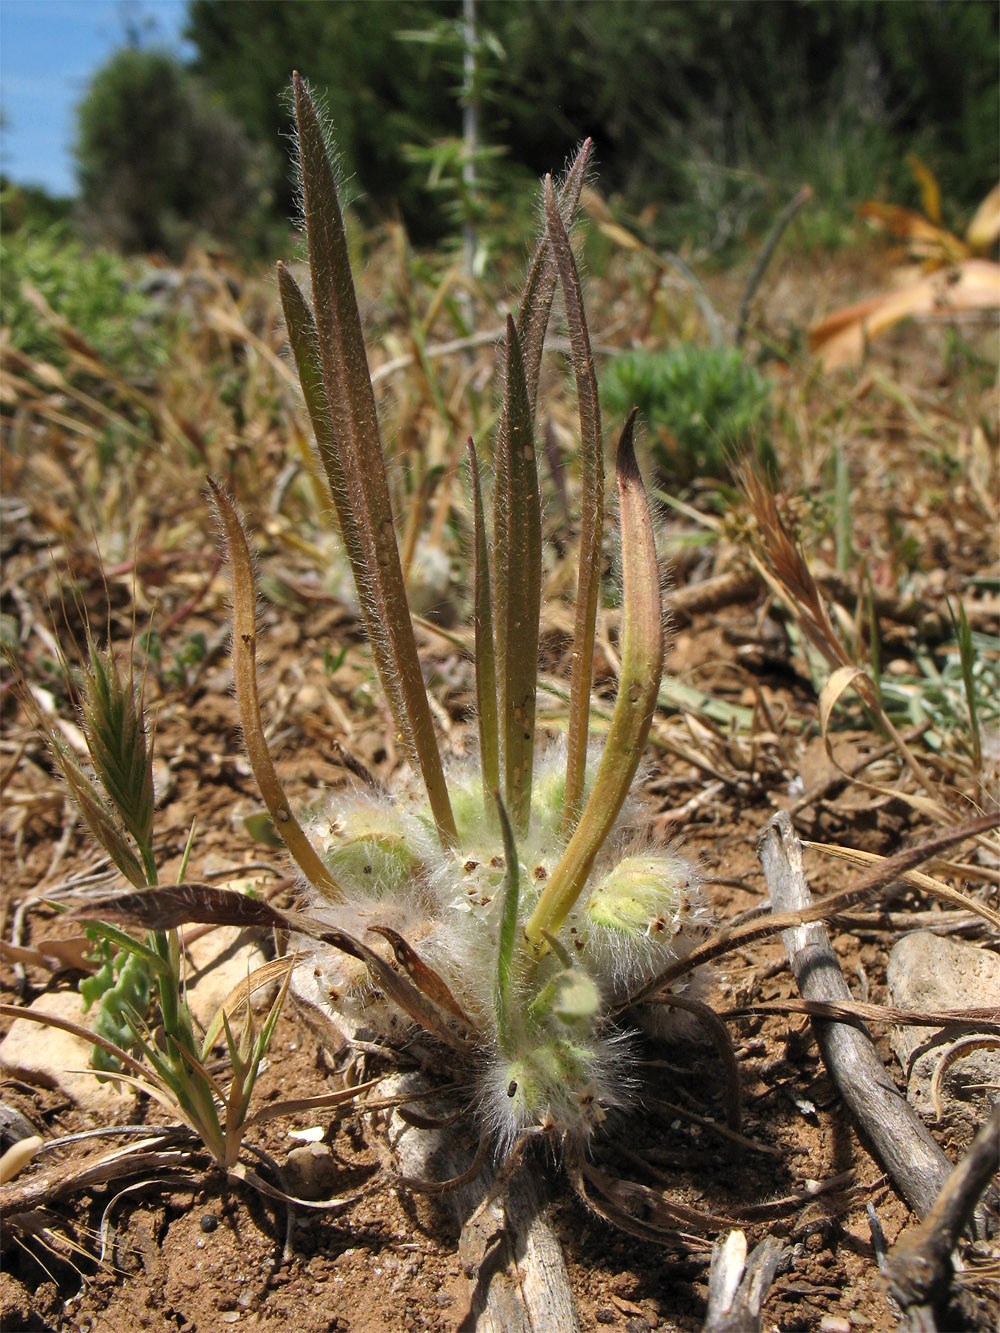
(143, 1031)
(701, 404)
(519, 912)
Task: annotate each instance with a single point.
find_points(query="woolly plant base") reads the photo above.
(549, 1056)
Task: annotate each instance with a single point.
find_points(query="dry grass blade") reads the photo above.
(877, 879)
(355, 430)
(899, 1138)
(45, 1187)
(166, 908)
(783, 566)
(916, 878)
(853, 1011)
(955, 1052)
(485, 652)
(638, 684)
(239, 997)
(653, 1207)
(591, 517)
(321, 1102)
(723, 1042)
(423, 977)
(517, 593)
(420, 1186)
(248, 702)
(147, 1080)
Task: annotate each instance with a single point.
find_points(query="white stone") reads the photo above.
(927, 971)
(52, 1058)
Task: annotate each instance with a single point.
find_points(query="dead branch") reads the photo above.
(919, 1268)
(738, 1285)
(917, 1165)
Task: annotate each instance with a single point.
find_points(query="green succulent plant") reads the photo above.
(700, 403)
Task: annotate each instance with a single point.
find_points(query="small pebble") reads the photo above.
(604, 1315)
(209, 1222)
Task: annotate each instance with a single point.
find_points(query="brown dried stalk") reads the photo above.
(248, 702)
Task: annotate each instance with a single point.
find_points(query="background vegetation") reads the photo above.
(705, 114)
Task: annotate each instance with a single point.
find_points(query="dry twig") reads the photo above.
(901, 1142)
(919, 1268)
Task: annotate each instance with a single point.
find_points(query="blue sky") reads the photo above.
(48, 51)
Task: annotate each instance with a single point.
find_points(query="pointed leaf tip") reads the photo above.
(626, 464)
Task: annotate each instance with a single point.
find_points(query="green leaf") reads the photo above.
(642, 665)
(486, 667)
(967, 656)
(517, 563)
(540, 284)
(248, 702)
(592, 514)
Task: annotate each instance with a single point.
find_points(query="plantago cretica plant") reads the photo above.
(501, 895)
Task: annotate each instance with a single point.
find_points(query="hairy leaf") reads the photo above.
(642, 665)
(248, 702)
(517, 562)
(355, 434)
(592, 513)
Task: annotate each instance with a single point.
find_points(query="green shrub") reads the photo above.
(159, 162)
(88, 288)
(701, 406)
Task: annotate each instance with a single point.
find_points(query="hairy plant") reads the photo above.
(505, 888)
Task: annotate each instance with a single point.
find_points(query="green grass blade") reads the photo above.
(122, 940)
(517, 563)
(642, 665)
(355, 430)
(592, 512)
(486, 666)
(967, 657)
